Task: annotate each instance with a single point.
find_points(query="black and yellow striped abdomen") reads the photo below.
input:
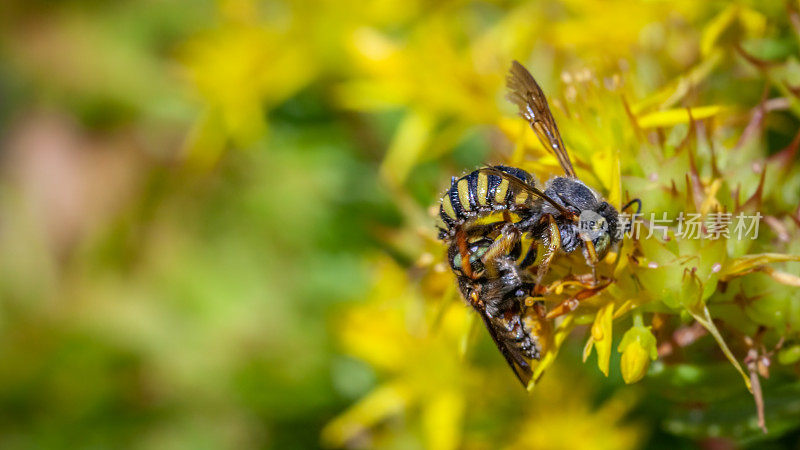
(478, 196)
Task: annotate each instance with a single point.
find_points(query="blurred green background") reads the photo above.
(195, 194)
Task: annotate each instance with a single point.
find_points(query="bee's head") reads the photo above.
(600, 226)
(611, 236)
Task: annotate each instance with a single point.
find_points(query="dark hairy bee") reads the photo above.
(496, 219)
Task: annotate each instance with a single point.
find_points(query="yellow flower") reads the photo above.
(562, 414)
(601, 337)
(413, 347)
(638, 347)
(237, 71)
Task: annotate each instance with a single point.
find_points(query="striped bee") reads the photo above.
(496, 220)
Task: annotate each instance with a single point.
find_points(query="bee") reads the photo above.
(496, 219)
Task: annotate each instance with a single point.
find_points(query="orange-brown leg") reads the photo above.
(585, 280)
(551, 245)
(463, 249)
(591, 257)
(500, 247)
(539, 309)
(572, 303)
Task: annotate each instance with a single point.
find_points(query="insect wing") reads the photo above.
(524, 92)
(514, 358)
(533, 191)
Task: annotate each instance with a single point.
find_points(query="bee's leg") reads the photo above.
(470, 292)
(502, 246)
(581, 281)
(539, 309)
(463, 249)
(542, 328)
(572, 303)
(552, 242)
(591, 257)
(590, 280)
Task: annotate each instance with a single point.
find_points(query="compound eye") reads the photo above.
(456, 262)
(602, 244)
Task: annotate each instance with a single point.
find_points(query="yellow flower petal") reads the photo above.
(383, 402)
(670, 117)
(602, 336)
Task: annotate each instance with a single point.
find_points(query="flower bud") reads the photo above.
(638, 347)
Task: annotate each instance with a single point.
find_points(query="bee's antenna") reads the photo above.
(638, 204)
(638, 210)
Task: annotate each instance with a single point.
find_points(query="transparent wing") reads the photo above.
(524, 92)
(513, 357)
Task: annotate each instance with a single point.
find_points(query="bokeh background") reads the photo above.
(215, 226)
